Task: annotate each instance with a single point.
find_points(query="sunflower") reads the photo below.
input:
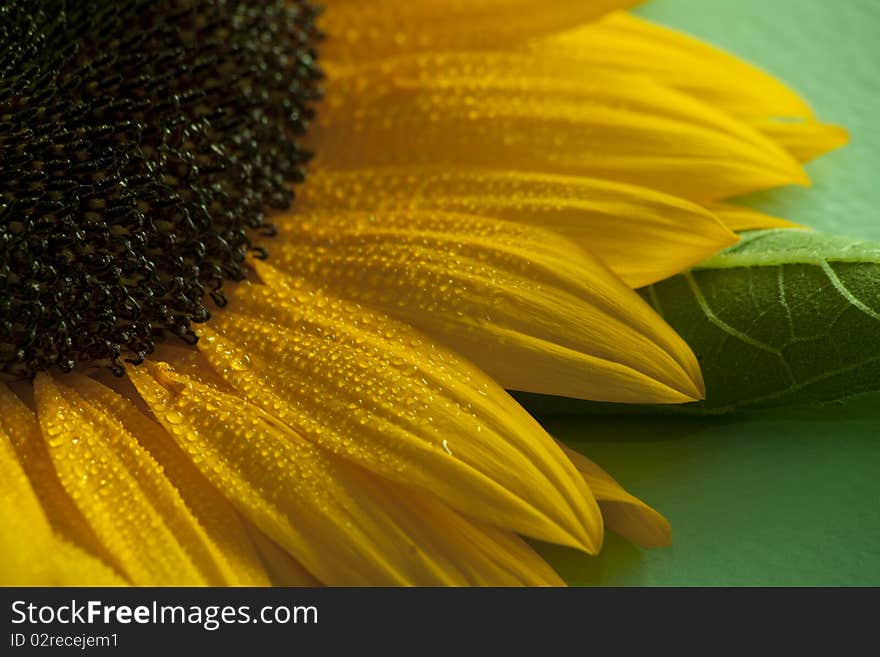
(491, 180)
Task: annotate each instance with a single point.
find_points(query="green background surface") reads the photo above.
(787, 497)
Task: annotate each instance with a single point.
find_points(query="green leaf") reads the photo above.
(784, 317)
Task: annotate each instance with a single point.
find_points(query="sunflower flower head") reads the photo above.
(145, 145)
(491, 182)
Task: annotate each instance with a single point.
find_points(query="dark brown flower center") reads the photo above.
(141, 145)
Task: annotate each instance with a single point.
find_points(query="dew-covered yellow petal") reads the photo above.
(63, 515)
(31, 553)
(516, 111)
(740, 218)
(360, 30)
(623, 513)
(139, 517)
(631, 44)
(215, 514)
(806, 140)
(379, 393)
(642, 235)
(527, 306)
(344, 524)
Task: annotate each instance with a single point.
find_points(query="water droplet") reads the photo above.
(174, 417)
(241, 363)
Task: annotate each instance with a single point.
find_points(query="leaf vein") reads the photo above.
(730, 330)
(846, 294)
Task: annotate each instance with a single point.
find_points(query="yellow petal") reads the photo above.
(136, 513)
(72, 566)
(215, 514)
(516, 111)
(740, 217)
(359, 31)
(628, 43)
(63, 515)
(31, 553)
(283, 568)
(642, 235)
(806, 140)
(379, 393)
(623, 514)
(527, 306)
(344, 524)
